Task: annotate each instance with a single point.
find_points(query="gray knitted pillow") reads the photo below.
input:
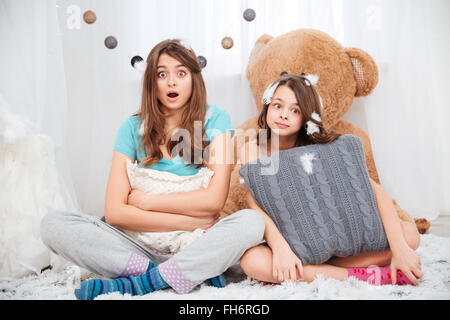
(320, 198)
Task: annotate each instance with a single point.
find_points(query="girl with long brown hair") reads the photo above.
(173, 102)
(291, 118)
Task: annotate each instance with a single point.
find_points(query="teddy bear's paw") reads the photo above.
(422, 225)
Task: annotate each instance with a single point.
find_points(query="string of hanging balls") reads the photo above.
(111, 42)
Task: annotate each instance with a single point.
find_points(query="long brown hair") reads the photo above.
(151, 112)
(309, 103)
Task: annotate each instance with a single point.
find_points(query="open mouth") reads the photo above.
(172, 95)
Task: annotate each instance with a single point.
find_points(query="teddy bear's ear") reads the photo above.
(260, 43)
(365, 71)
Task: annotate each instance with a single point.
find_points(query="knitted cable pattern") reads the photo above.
(275, 205)
(336, 223)
(320, 245)
(356, 167)
(286, 219)
(325, 206)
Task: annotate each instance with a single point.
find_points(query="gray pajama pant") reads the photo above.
(98, 247)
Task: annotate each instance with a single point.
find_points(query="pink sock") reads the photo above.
(378, 275)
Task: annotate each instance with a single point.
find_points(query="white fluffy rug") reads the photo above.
(434, 252)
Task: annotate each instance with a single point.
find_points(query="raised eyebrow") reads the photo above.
(178, 66)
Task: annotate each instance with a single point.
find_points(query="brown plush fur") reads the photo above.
(344, 73)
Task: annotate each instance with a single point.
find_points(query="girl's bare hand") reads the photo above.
(286, 265)
(205, 222)
(405, 259)
(138, 199)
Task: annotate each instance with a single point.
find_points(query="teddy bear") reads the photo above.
(343, 74)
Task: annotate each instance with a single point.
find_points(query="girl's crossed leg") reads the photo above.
(96, 246)
(257, 263)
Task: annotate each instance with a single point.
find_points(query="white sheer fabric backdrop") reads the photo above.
(408, 112)
(32, 79)
(35, 176)
(103, 88)
(405, 116)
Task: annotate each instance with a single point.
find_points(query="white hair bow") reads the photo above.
(312, 78)
(311, 127)
(269, 92)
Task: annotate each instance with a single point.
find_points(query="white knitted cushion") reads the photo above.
(160, 182)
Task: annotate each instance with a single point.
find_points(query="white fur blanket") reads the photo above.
(29, 188)
(434, 252)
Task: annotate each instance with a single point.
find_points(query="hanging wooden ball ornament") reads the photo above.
(227, 43)
(202, 61)
(89, 17)
(249, 14)
(111, 42)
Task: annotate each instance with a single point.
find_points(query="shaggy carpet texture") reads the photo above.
(434, 252)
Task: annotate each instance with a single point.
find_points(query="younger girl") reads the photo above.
(173, 99)
(291, 114)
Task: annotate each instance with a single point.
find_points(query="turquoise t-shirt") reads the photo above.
(217, 121)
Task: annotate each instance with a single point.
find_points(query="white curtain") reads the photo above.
(405, 116)
(35, 177)
(103, 88)
(408, 112)
(32, 79)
